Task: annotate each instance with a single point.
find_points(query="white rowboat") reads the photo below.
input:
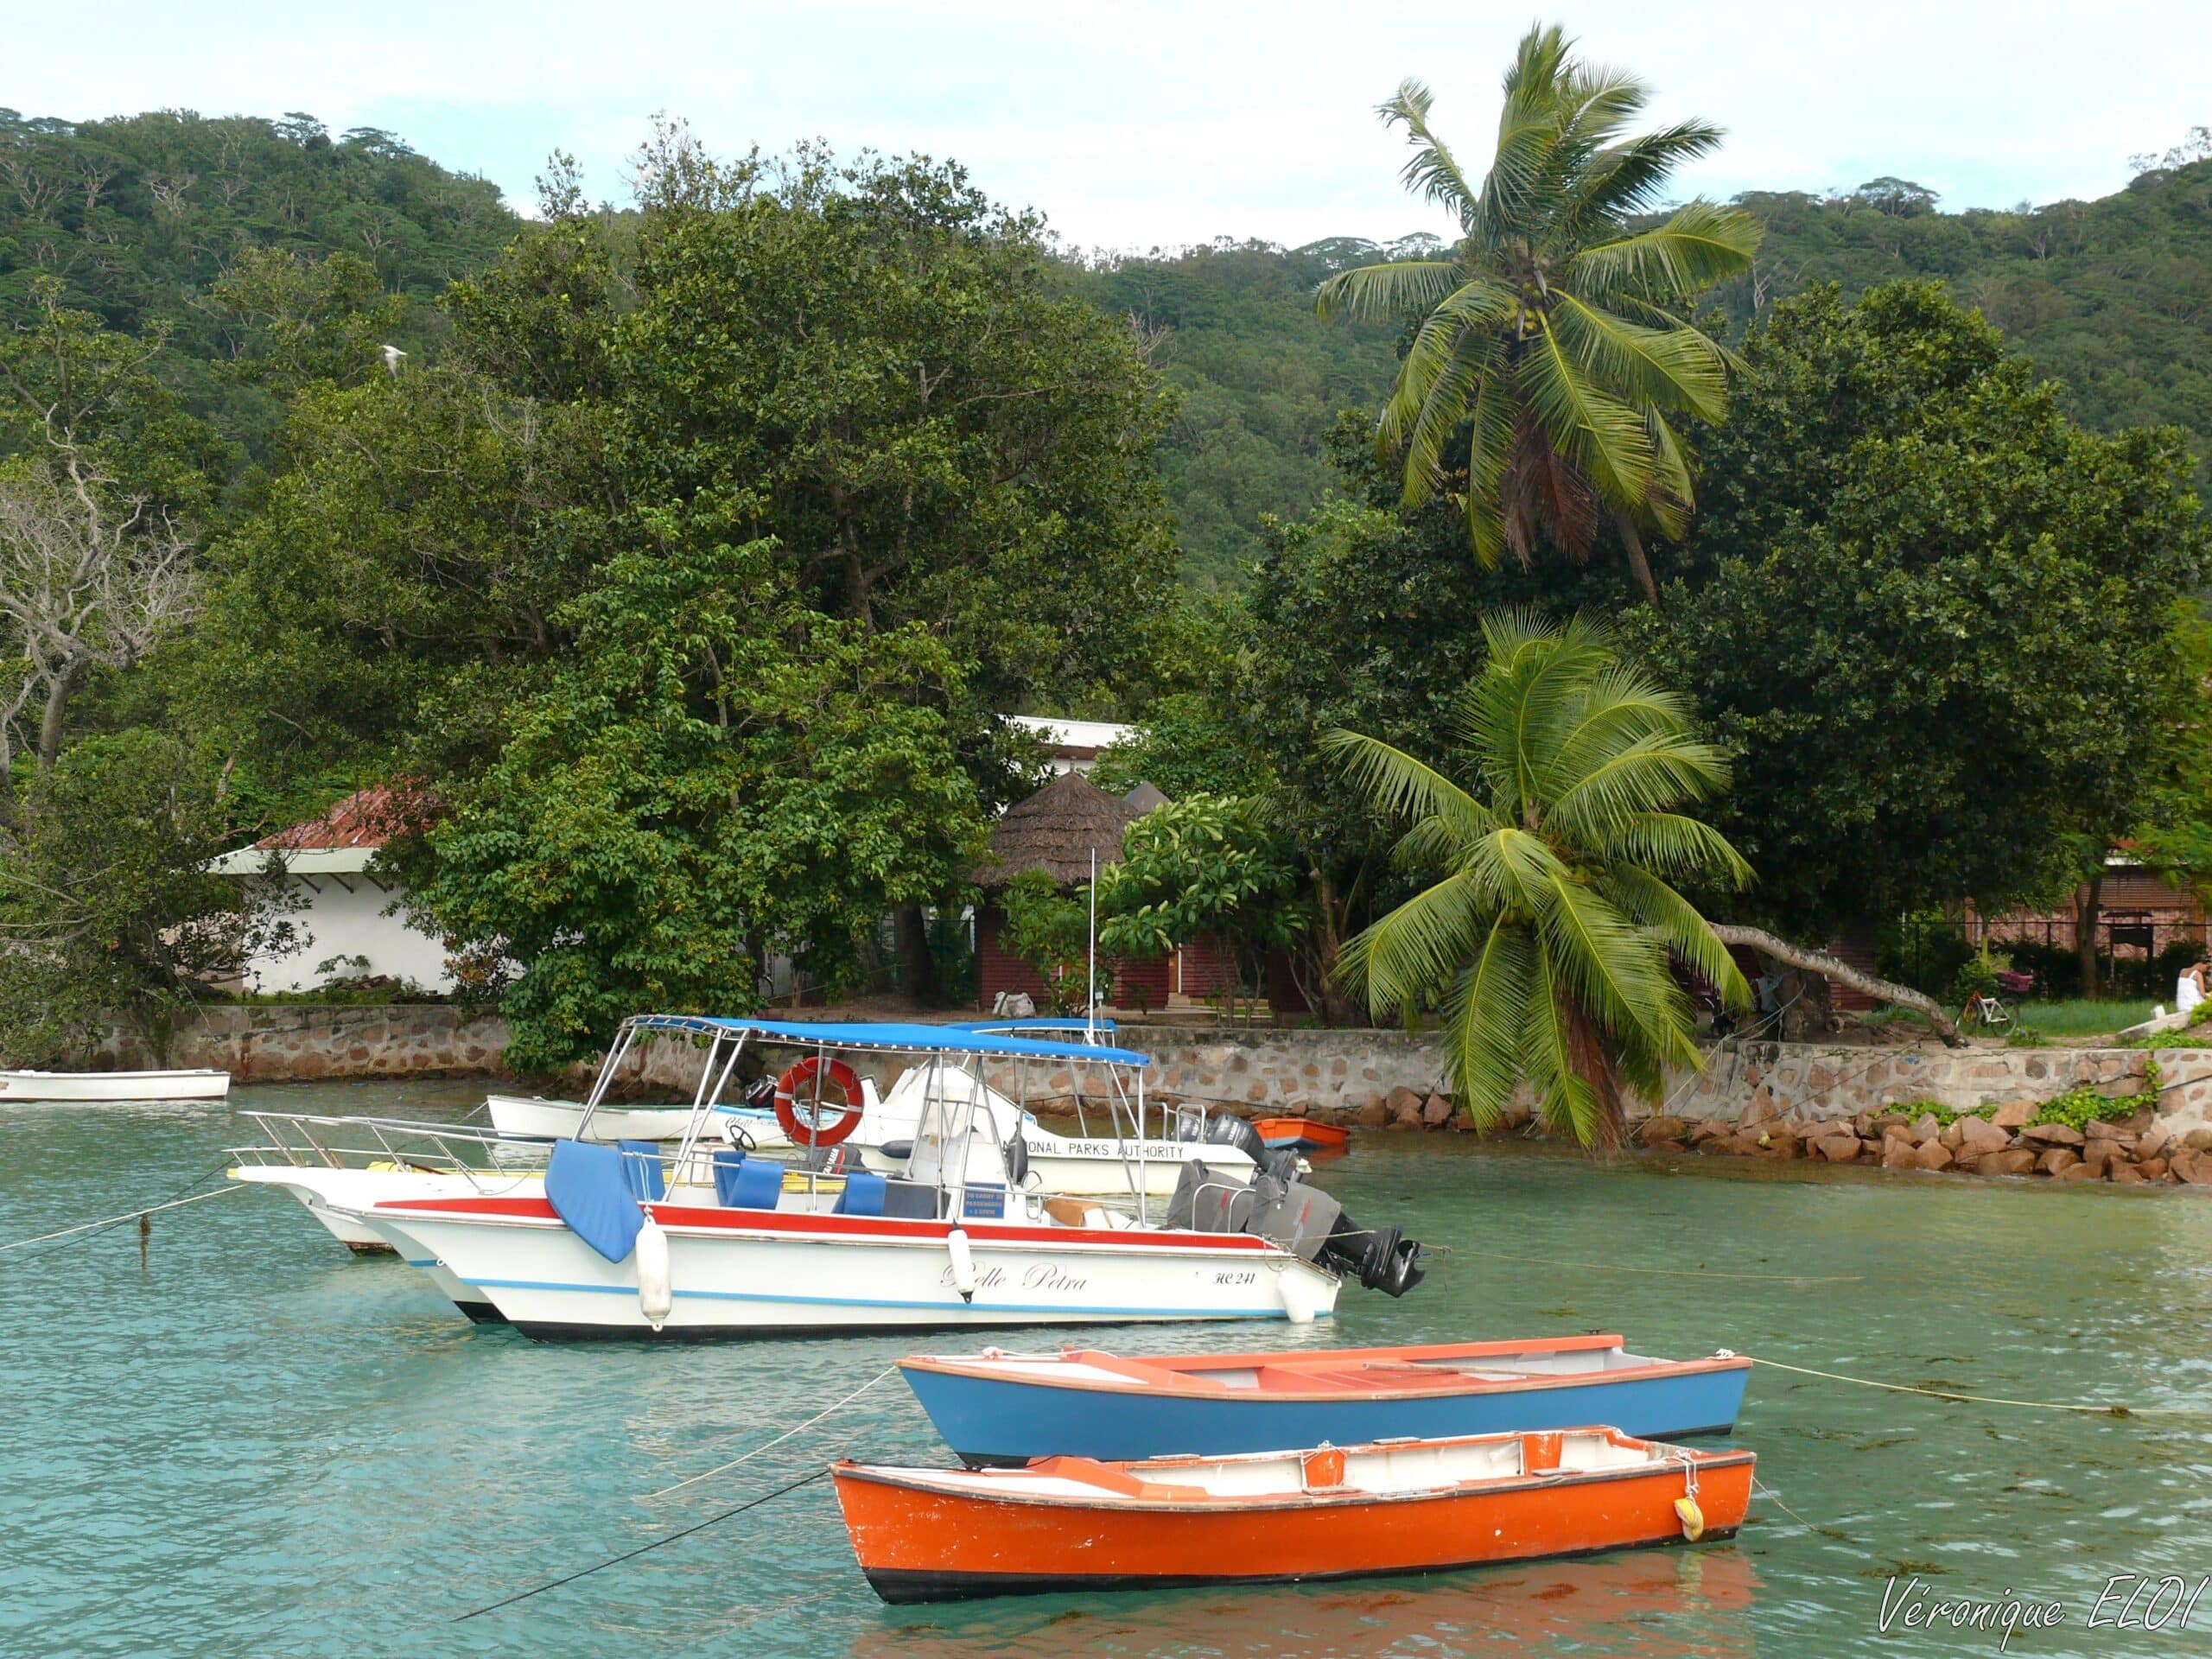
(200, 1085)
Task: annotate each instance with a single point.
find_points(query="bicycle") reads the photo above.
(1983, 1009)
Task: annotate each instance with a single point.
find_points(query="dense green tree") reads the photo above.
(1204, 867)
(1931, 619)
(716, 775)
(1549, 838)
(1551, 353)
(107, 906)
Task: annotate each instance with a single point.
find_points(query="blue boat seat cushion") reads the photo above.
(585, 1186)
(743, 1183)
(863, 1194)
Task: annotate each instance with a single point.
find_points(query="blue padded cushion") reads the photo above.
(641, 1170)
(863, 1194)
(583, 1182)
(728, 1160)
(756, 1183)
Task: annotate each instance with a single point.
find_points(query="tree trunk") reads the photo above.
(51, 726)
(1632, 545)
(1828, 967)
(2090, 907)
(917, 967)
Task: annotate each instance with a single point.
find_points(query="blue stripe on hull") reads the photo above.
(994, 1421)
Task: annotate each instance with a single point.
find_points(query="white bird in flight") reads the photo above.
(392, 356)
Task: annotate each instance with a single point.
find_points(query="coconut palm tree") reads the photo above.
(1553, 348)
(1549, 928)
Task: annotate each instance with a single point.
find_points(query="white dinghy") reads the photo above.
(200, 1083)
(627, 1241)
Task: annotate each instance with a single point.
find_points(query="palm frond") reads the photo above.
(1554, 1057)
(1700, 244)
(1415, 952)
(1670, 367)
(1631, 178)
(1490, 446)
(1386, 292)
(1675, 845)
(1451, 401)
(1401, 786)
(1599, 433)
(1614, 970)
(1484, 1018)
(1676, 923)
(1431, 171)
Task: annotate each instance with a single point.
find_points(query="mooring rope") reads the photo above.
(1956, 1397)
(1669, 1272)
(725, 1468)
(173, 1203)
(632, 1554)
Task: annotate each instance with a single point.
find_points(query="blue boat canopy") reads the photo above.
(893, 1038)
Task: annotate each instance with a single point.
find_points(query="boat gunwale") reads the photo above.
(1178, 1384)
(949, 1483)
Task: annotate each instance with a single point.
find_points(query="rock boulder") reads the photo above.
(2051, 1134)
(1978, 1135)
(2016, 1114)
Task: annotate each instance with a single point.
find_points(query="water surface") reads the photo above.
(252, 1442)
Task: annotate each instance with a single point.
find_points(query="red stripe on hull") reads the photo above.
(771, 1221)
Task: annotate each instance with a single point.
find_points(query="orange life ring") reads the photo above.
(815, 1133)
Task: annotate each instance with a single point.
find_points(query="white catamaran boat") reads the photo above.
(198, 1084)
(718, 1241)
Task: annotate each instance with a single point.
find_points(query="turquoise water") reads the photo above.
(254, 1443)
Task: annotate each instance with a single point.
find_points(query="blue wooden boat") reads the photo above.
(996, 1407)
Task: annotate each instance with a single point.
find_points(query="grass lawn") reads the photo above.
(2077, 1017)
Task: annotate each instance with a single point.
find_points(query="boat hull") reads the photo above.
(1301, 1132)
(557, 1120)
(993, 1420)
(739, 1273)
(113, 1086)
(919, 1543)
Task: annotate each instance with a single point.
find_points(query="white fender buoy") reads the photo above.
(1299, 1304)
(656, 1291)
(964, 1263)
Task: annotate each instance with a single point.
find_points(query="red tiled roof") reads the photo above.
(368, 817)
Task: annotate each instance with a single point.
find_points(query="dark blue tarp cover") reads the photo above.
(584, 1184)
(641, 1170)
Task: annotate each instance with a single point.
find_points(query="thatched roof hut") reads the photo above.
(1054, 830)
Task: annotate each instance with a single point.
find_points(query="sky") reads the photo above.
(1143, 123)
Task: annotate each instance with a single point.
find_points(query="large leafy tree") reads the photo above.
(1552, 357)
(1931, 619)
(1552, 918)
(107, 906)
(717, 775)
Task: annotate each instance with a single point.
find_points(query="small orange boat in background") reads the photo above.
(1302, 1134)
(1393, 1507)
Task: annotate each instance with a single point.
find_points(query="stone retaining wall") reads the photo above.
(1330, 1073)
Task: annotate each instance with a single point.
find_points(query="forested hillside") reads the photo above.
(139, 217)
(1261, 378)
(2113, 297)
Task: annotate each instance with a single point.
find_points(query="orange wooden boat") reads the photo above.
(1302, 1134)
(1394, 1506)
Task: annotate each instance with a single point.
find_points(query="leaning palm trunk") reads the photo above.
(1550, 929)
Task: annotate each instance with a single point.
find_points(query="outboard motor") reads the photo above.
(1224, 1130)
(1383, 1259)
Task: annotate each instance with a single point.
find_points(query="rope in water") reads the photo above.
(1668, 1273)
(725, 1468)
(632, 1555)
(1953, 1395)
(131, 1214)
